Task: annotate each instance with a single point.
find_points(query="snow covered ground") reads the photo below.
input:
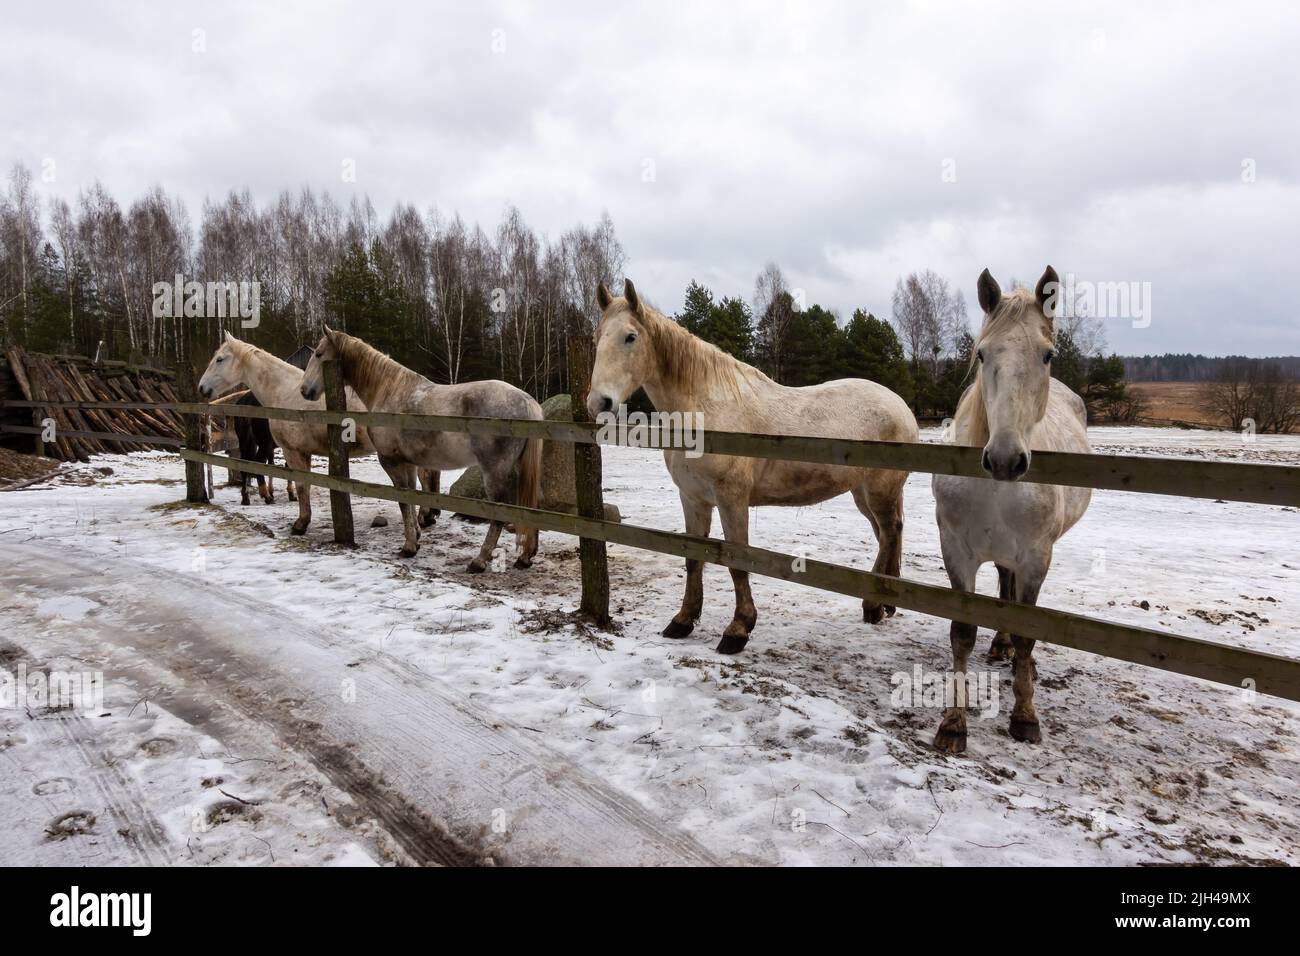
(797, 751)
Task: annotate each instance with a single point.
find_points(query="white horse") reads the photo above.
(637, 346)
(386, 385)
(275, 384)
(1013, 408)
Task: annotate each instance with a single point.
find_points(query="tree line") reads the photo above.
(446, 297)
(1186, 367)
(440, 295)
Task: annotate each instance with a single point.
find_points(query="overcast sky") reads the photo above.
(851, 143)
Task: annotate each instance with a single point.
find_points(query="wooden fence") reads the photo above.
(1237, 667)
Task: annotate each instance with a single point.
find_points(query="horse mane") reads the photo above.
(245, 349)
(369, 371)
(691, 365)
(970, 422)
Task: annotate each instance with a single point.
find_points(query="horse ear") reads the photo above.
(1047, 292)
(990, 294)
(603, 298)
(229, 337)
(629, 293)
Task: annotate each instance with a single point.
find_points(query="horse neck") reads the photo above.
(701, 377)
(269, 379)
(371, 374)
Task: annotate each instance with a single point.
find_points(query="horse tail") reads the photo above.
(530, 490)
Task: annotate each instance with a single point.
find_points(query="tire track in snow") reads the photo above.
(436, 771)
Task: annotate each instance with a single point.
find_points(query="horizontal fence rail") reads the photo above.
(121, 438)
(1263, 672)
(25, 403)
(1183, 477)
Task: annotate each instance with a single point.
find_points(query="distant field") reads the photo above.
(1173, 402)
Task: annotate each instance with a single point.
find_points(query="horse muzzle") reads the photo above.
(1005, 463)
(598, 403)
(310, 394)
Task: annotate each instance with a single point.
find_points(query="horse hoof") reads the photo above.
(732, 643)
(245, 502)
(379, 522)
(523, 564)
(890, 610)
(873, 614)
(676, 629)
(999, 650)
(950, 740)
(427, 521)
(1026, 731)
(406, 552)
(299, 527)
(477, 567)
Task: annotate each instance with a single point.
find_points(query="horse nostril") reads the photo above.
(1022, 464)
(607, 405)
(985, 463)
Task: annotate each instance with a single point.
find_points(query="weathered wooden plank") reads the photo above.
(1190, 478)
(23, 403)
(196, 489)
(588, 478)
(121, 438)
(340, 501)
(1236, 667)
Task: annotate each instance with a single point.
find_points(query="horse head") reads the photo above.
(313, 376)
(625, 359)
(225, 368)
(1014, 352)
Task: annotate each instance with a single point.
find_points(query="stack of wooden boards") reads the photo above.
(82, 432)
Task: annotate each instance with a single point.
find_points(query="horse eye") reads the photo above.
(631, 337)
(220, 359)
(979, 356)
(1047, 358)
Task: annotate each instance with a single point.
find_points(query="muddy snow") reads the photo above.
(270, 699)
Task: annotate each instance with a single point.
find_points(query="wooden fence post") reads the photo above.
(588, 478)
(340, 501)
(36, 382)
(196, 486)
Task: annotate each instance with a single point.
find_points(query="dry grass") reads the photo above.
(1167, 402)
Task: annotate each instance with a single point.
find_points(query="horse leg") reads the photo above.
(265, 487)
(403, 476)
(1024, 719)
(1000, 649)
(495, 488)
(951, 736)
(301, 462)
(699, 519)
(735, 527)
(881, 500)
(243, 489)
(430, 481)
